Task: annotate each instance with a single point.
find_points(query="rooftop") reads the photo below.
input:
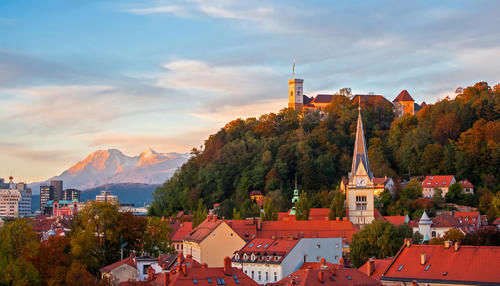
(404, 95)
(462, 265)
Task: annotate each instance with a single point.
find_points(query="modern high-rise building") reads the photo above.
(15, 201)
(46, 194)
(72, 194)
(58, 189)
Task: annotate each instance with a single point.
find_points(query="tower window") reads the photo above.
(361, 203)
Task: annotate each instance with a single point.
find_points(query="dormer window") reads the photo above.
(252, 257)
(245, 257)
(237, 257)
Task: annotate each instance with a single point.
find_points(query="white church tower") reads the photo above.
(360, 192)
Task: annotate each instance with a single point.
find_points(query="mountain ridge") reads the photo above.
(112, 166)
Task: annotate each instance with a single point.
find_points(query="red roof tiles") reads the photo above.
(323, 98)
(377, 268)
(404, 95)
(129, 261)
(182, 231)
(395, 220)
(321, 273)
(466, 184)
(437, 181)
(469, 264)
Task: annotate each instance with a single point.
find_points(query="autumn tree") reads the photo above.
(337, 206)
(18, 247)
(156, 238)
(95, 237)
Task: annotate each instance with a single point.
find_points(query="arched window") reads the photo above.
(433, 234)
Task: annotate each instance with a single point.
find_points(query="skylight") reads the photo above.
(401, 267)
(427, 267)
(260, 244)
(265, 246)
(195, 281)
(250, 246)
(209, 280)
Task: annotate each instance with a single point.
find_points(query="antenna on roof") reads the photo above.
(296, 181)
(359, 104)
(293, 69)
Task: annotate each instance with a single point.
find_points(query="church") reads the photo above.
(361, 188)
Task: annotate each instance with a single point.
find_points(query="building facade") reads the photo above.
(15, 201)
(270, 260)
(72, 194)
(361, 188)
(430, 184)
(57, 186)
(296, 94)
(106, 197)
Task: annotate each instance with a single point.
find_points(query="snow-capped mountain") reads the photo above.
(112, 166)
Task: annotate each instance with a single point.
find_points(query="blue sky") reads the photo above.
(77, 76)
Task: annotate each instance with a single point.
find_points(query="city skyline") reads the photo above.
(77, 77)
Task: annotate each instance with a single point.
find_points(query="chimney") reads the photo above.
(422, 258)
(457, 246)
(341, 262)
(293, 281)
(189, 256)
(227, 265)
(447, 244)
(179, 258)
(321, 276)
(337, 218)
(371, 267)
(204, 266)
(344, 218)
(259, 224)
(408, 242)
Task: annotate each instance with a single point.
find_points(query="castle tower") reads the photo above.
(296, 93)
(403, 104)
(360, 193)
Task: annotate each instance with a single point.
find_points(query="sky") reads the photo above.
(78, 76)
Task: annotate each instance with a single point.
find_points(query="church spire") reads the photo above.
(360, 156)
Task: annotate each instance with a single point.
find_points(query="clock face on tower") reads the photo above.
(360, 182)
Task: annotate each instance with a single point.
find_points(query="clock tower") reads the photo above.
(360, 191)
(296, 93)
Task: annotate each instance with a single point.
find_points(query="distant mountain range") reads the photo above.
(112, 167)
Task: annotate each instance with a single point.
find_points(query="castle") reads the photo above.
(401, 105)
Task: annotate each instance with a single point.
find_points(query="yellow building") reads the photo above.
(211, 241)
(403, 104)
(296, 93)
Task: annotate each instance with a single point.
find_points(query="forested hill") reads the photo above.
(459, 136)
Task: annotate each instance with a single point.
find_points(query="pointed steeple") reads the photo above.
(360, 156)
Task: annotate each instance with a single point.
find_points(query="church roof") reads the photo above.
(360, 156)
(404, 95)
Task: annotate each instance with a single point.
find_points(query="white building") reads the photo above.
(106, 197)
(15, 200)
(269, 260)
(436, 227)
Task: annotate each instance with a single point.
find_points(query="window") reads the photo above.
(319, 245)
(267, 276)
(361, 203)
(253, 276)
(250, 246)
(433, 234)
(427, 267)
(275, 276)
(337, 245)
(401, 267)
(260, 277)
(195, 281)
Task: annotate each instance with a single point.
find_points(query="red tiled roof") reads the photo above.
(323, 98)
(267, 246)
(205, 228)
(496, 222)
(245, 228)
(307, 100)
(469, 218)
(404, 95)
(423, 104)
(471, 264)
(395, 220)
(182, 231)
(314, 214)
(380, 265)
(129, 261)
(255, 193)
(466, 184)
(380, 181)
(308, 229)
(437, 181)
(331, 274)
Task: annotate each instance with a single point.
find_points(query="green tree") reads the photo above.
(236, 214)
(270, 212)
(156, 239)
(18, 247)
(383, 201)
(200, 214)
(337, 206)
(95, 236)
(455, 193)
(378, 239)
(437, 198)
(302, 207)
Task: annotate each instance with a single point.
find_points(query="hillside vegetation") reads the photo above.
(269, 153)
